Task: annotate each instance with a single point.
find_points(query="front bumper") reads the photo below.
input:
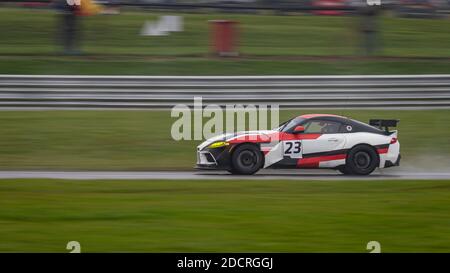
(213, 159)
(208, 167)
(206, 160)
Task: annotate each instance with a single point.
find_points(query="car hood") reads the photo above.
(230, 136)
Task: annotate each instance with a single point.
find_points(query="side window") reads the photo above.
(322, 127)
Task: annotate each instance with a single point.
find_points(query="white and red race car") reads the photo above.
(307, 141)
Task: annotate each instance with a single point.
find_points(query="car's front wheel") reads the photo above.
(361, 160)
(246, 159)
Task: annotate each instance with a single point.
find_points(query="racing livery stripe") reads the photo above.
(308, 116)
(266, 150)
(308, 165)
(265, 138)
(287, 136)
(328, 153)
(381, 149)
(311, 162)
(253, 138)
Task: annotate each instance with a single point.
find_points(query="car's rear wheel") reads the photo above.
(361, 160)
(246, 159)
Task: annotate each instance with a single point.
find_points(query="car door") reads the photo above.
(328, 137)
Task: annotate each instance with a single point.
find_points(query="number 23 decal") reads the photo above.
(293, 149)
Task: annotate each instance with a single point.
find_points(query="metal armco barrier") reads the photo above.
(162, 92)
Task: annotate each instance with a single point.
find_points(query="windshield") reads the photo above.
(281, 126)
(289, 124)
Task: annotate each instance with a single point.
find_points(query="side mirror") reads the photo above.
(299, 129)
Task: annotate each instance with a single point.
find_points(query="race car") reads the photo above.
(307, 141)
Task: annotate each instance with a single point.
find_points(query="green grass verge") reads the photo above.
(141, 140)
(224, 216)
(213, 66)
(34, 32)
(269, 45)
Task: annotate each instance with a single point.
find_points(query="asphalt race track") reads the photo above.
(214, 175)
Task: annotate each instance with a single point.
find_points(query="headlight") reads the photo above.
(218, 144)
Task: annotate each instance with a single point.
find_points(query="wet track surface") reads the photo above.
(214, 175)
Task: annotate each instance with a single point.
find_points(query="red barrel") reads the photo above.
(224, 37)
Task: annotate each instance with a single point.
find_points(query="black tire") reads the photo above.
(246, 159)
(344, 170)
(361, 160)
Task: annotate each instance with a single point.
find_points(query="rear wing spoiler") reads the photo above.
(384, 123)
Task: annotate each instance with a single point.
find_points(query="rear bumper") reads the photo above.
(389, 163)
(392, 157)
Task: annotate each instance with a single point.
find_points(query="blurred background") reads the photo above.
(267, 37)
(70, 122)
